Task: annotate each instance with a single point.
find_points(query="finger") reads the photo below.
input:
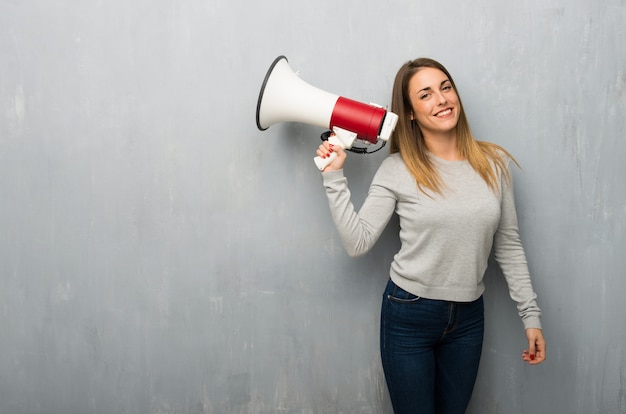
(540, 354)
(536, 361)
(323, 151)
(534, 357)
(339, 150)
(532, 351)
(533, 336)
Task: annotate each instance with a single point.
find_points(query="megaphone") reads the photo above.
(284, 97)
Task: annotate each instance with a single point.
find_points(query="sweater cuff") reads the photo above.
(330, 176)
(532, 322)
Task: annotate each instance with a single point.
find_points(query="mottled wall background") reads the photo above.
(159, 254)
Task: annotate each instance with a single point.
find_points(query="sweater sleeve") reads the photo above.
(359, 231)
(510, 256)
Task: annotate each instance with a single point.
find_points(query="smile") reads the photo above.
(444, 113)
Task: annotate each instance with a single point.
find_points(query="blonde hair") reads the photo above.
(487, 159)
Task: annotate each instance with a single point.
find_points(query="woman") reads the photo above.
(454, 198)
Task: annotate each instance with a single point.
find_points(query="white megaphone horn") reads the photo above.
(284, 97)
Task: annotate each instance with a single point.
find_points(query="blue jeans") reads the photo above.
(430, 351)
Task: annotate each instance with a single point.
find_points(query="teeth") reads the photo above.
(444, 113)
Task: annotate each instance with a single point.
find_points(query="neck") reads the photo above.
(443, 145)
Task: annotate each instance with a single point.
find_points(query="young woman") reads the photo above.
(454, 198)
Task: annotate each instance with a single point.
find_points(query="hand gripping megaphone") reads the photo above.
(284, 97)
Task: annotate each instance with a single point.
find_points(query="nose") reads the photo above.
(441, 98)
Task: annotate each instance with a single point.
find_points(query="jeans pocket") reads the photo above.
(396, 294)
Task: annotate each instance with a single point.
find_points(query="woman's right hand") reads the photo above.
(324, 151)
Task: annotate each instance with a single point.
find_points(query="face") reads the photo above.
(434, 102)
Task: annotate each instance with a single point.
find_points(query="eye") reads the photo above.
(424, 96)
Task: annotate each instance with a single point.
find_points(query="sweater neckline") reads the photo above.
(446, 162)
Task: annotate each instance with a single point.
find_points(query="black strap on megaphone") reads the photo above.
(356, 150)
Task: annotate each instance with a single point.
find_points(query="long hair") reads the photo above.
(487, 159)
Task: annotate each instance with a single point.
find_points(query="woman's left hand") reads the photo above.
(536, 352)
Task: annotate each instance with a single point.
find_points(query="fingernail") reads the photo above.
(532, 357)
(328, 155)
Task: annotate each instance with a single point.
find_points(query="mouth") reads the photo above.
(444, 114)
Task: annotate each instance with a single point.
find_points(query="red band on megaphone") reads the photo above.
(363, 119)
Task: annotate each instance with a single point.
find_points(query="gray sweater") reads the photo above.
(445, 239)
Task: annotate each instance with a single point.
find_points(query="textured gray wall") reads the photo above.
(159, 254)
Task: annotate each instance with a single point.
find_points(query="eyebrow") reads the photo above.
(428, 88)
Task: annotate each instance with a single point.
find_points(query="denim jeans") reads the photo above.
(430, 351)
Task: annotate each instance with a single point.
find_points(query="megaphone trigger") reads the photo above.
(345, 139)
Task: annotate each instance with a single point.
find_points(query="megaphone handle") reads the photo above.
(323, 162)
(343, 139)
